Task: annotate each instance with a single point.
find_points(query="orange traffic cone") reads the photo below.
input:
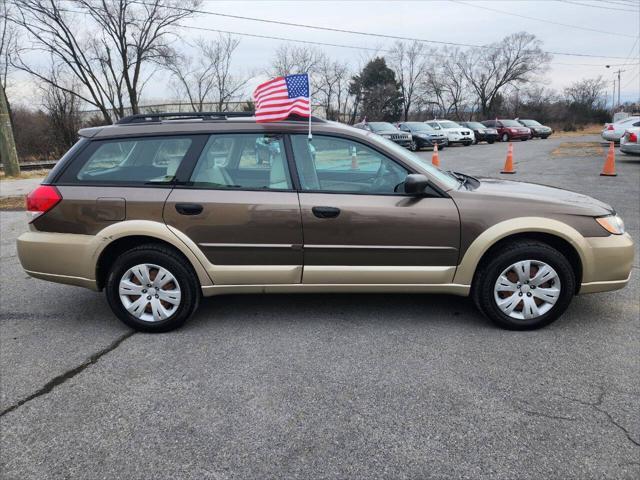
(609, 169)
(508, 164)
(435, 159)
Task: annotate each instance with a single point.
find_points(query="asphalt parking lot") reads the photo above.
(329, 386)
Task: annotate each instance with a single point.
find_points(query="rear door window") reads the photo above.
(130, 161)
(244, 161)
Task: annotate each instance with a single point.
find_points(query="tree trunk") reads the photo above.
(8, 153)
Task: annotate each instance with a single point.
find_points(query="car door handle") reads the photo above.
(189, 208)
(326, 212)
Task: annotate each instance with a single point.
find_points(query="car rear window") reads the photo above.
(129, 161)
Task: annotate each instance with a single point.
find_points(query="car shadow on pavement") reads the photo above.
(348, 308)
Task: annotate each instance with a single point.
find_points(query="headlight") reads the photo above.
(612, 224)
(386, 135)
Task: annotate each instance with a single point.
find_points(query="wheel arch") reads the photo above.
(559, 235)
(120, 237)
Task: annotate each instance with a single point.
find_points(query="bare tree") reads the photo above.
(411, 65)
(291, 59)
(113, 56)
(516, 59)
(332, 84)
(9, 36)
(588, 93)
(208, 78)
(63, 111)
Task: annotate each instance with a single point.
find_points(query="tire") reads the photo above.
(524, 139)
(485, 295)
(505, 137)
(466, 144)
(490, 142)
(182, 279)
(413, 146)
(545, 137)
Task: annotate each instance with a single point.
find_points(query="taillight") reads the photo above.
(633, 137)
(42, 199)
(610, 127)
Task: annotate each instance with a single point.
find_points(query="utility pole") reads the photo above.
(8, 153)
(614, 82)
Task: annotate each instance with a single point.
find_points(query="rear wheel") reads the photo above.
(151, 289)
(527, 285)
(490, 141)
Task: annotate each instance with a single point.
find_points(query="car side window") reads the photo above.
(332, 164)
(242, 161)
(131, 161)
(434, 125)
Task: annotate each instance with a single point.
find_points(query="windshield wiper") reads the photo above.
(462, 177)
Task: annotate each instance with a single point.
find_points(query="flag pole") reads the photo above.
(309, 85)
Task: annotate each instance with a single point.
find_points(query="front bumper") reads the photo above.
(486, 137)
(540, 133)
(607, 263)
(430, 142)
(455, 138)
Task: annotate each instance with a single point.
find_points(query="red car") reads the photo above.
(509, 129)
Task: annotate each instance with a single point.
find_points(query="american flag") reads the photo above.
(278, 98)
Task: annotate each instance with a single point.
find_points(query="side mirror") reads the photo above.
(415, 184)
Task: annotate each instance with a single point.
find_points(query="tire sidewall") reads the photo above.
(495, 267)
(183, 276)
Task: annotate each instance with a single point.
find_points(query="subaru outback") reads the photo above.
(160, 210)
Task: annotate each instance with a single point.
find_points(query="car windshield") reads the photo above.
(510, 123)
(418, 127)
(531, 123)
(477, 125)
(424, 164)
(381, 126)
(448, 124)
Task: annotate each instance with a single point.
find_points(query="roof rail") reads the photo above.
(158, 117)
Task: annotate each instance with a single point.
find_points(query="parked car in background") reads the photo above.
(423, 136)
(481, 133)
(156, 236)
(629, 142)
(509, 130)
(613, 131)
(537, 129)
(455, 133)
(387, 130)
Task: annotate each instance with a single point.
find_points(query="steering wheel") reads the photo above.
(386, 179)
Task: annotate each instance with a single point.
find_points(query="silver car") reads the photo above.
(630, 141)
(613, 132)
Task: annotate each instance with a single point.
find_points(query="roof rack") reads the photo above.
(157, 117)
(204, 116)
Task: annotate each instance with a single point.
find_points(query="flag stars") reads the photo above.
(297, 85)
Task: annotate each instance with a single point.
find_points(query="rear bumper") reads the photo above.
(633, 148)
(608, 263)
(59, 257)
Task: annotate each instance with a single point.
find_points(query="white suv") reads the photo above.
(454, 132)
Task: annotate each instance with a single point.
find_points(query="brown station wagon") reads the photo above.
(158, 210)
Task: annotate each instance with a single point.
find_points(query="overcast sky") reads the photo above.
(468, 21)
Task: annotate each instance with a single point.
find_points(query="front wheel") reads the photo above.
(505, 137)
(490, 142)
(413, 146)
(526, 286)
(151, 289)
